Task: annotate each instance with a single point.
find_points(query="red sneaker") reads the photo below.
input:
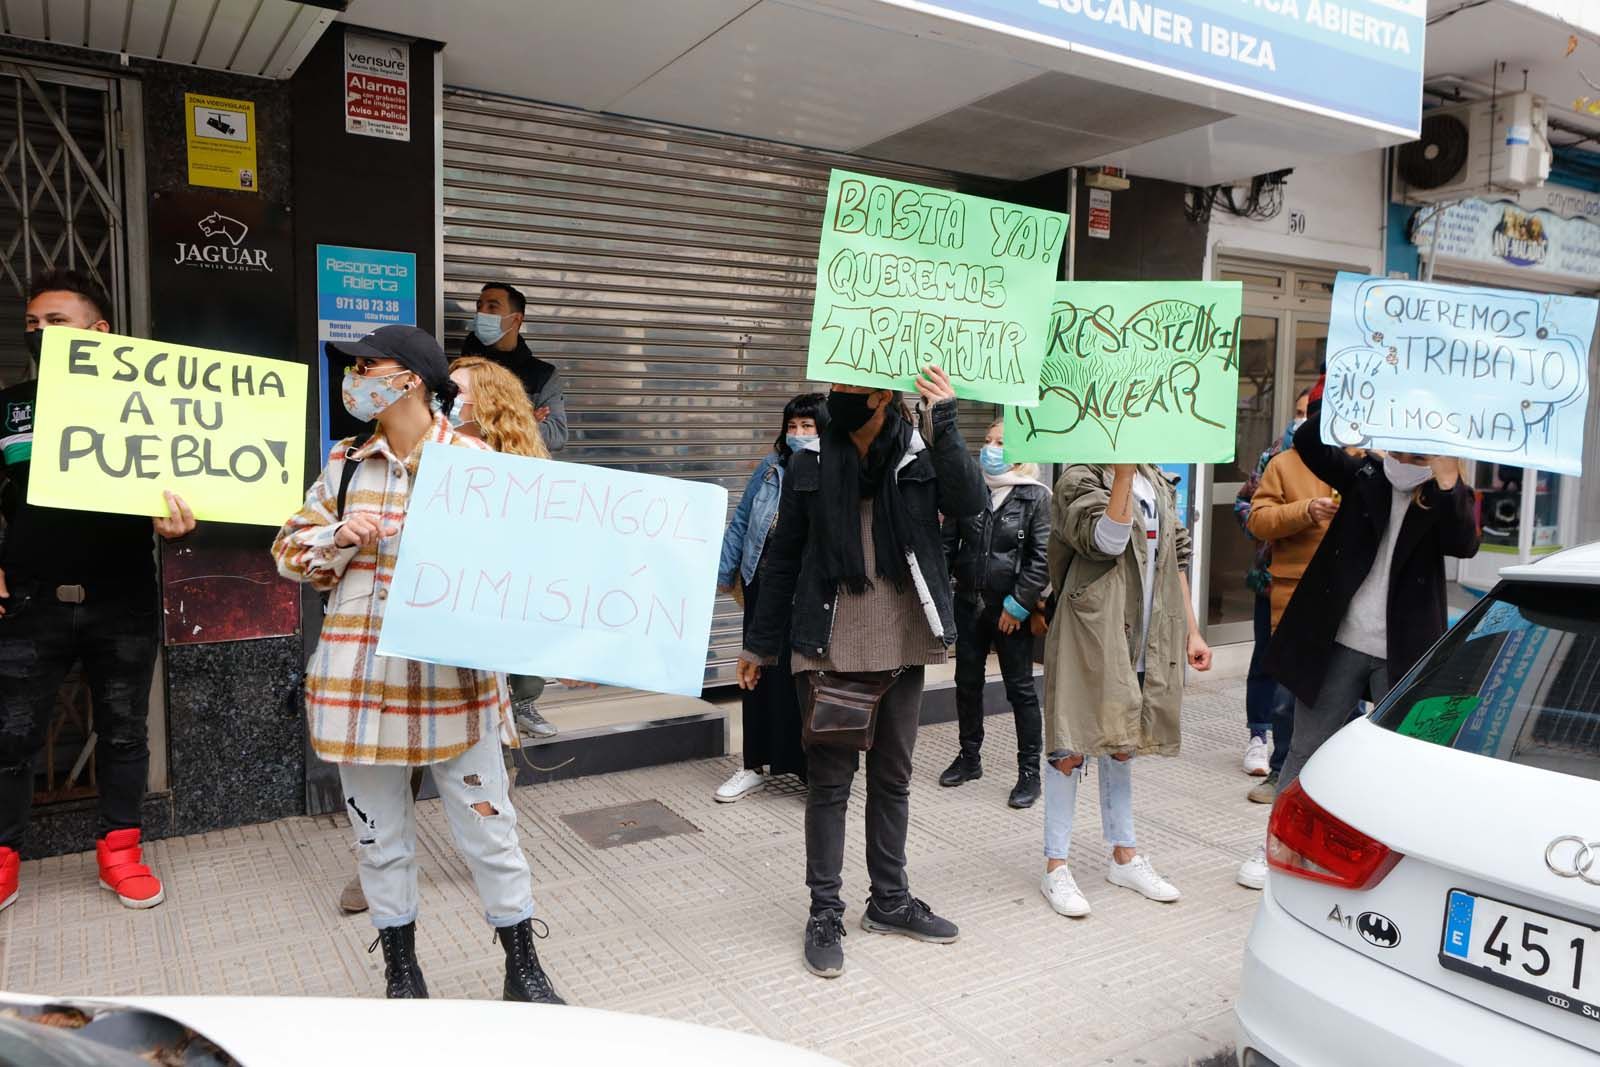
(10, 874)
(122, 872)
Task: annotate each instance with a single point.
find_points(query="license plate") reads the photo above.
(1525, 951)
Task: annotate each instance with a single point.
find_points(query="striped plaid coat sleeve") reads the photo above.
(362, 708)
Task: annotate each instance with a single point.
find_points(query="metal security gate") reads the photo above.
(62, 195)
(67, 172)
(669, 274)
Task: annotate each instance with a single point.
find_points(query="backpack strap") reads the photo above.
(346, 473)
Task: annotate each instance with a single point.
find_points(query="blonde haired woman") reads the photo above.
(493, 407)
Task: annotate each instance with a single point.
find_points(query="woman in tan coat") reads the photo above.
(1122, 630)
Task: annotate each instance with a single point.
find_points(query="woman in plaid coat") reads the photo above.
(378, 718)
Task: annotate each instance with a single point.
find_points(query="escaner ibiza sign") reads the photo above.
(1356, 60)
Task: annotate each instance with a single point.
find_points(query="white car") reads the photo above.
(1434, 886)
(301, 1032)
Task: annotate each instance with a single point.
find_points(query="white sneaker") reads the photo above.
(1257, 757)
(741, 785)
(1139, 876)
(1063, 894)
(1253, 872)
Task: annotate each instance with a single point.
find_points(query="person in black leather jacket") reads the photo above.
(1001, 569)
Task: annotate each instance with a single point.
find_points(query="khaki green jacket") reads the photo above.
(1093, 705)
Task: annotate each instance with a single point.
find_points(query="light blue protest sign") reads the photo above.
(532, 566)
(1488, 374)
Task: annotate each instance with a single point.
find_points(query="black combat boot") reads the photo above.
(967, 767)
(1028, 786)
(525, 979)
(402, 976)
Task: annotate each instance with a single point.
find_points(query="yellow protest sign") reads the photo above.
(120, 419)
(222, 142)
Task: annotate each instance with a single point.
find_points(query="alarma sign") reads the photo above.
(377, 87)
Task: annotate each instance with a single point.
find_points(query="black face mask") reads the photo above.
(848, 412)
(33, 341)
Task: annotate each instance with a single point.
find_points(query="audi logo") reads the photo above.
(1569, 856)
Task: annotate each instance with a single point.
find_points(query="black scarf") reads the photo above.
(846, 480)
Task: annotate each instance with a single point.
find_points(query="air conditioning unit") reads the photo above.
(1475, 149)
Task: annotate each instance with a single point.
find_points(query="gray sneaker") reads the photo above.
(824, 951)
(530, 722)
(912, 919)
(1266, 790)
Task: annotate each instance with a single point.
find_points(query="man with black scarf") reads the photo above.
(496, 335)
(870, 480)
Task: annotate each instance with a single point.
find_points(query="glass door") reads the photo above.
(1283, 342)
(1230, 604)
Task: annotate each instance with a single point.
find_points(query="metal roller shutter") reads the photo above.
(669, 274)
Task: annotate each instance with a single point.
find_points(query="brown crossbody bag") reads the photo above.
(842, 707)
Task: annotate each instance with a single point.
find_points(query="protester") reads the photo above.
(1123, 628)
(1288, 512)
(379, 717)
(496, 335)
(1269, 709)
(771, 713)
(856, 559)
(999, 560)
(493, 406)
(76, 587)
(1372, 598)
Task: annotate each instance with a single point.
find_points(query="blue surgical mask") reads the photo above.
(367, 398)
(1288, 435)
(488, 328)
(457, 416)
(798, 441)
(992, 458)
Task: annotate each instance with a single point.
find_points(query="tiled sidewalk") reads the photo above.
(706, 926)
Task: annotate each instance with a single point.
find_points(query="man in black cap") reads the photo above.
(497, 335)
(76, 587)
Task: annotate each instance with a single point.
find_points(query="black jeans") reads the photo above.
(40, 641)
(831, 770)
(977, 632)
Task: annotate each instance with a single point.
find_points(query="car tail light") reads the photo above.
(1305, 841)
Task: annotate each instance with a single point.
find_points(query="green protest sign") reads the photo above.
(908, 275)
(1135, 372)
(1439, 719)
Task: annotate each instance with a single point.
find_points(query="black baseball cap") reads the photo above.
(413, 348)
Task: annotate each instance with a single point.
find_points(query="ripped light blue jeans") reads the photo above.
(383, 819)
(1061, 803)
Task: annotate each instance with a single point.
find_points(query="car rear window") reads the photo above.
(1517, 679)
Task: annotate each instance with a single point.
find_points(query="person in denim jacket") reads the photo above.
(771, 710)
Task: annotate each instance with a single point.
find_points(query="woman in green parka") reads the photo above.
(1122, 631)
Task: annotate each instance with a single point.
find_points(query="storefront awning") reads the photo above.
(1006, 88)
(265, 38)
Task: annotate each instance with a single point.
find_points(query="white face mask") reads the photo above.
(1405, 476)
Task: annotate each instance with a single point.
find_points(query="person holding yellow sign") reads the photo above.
(75, 587)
